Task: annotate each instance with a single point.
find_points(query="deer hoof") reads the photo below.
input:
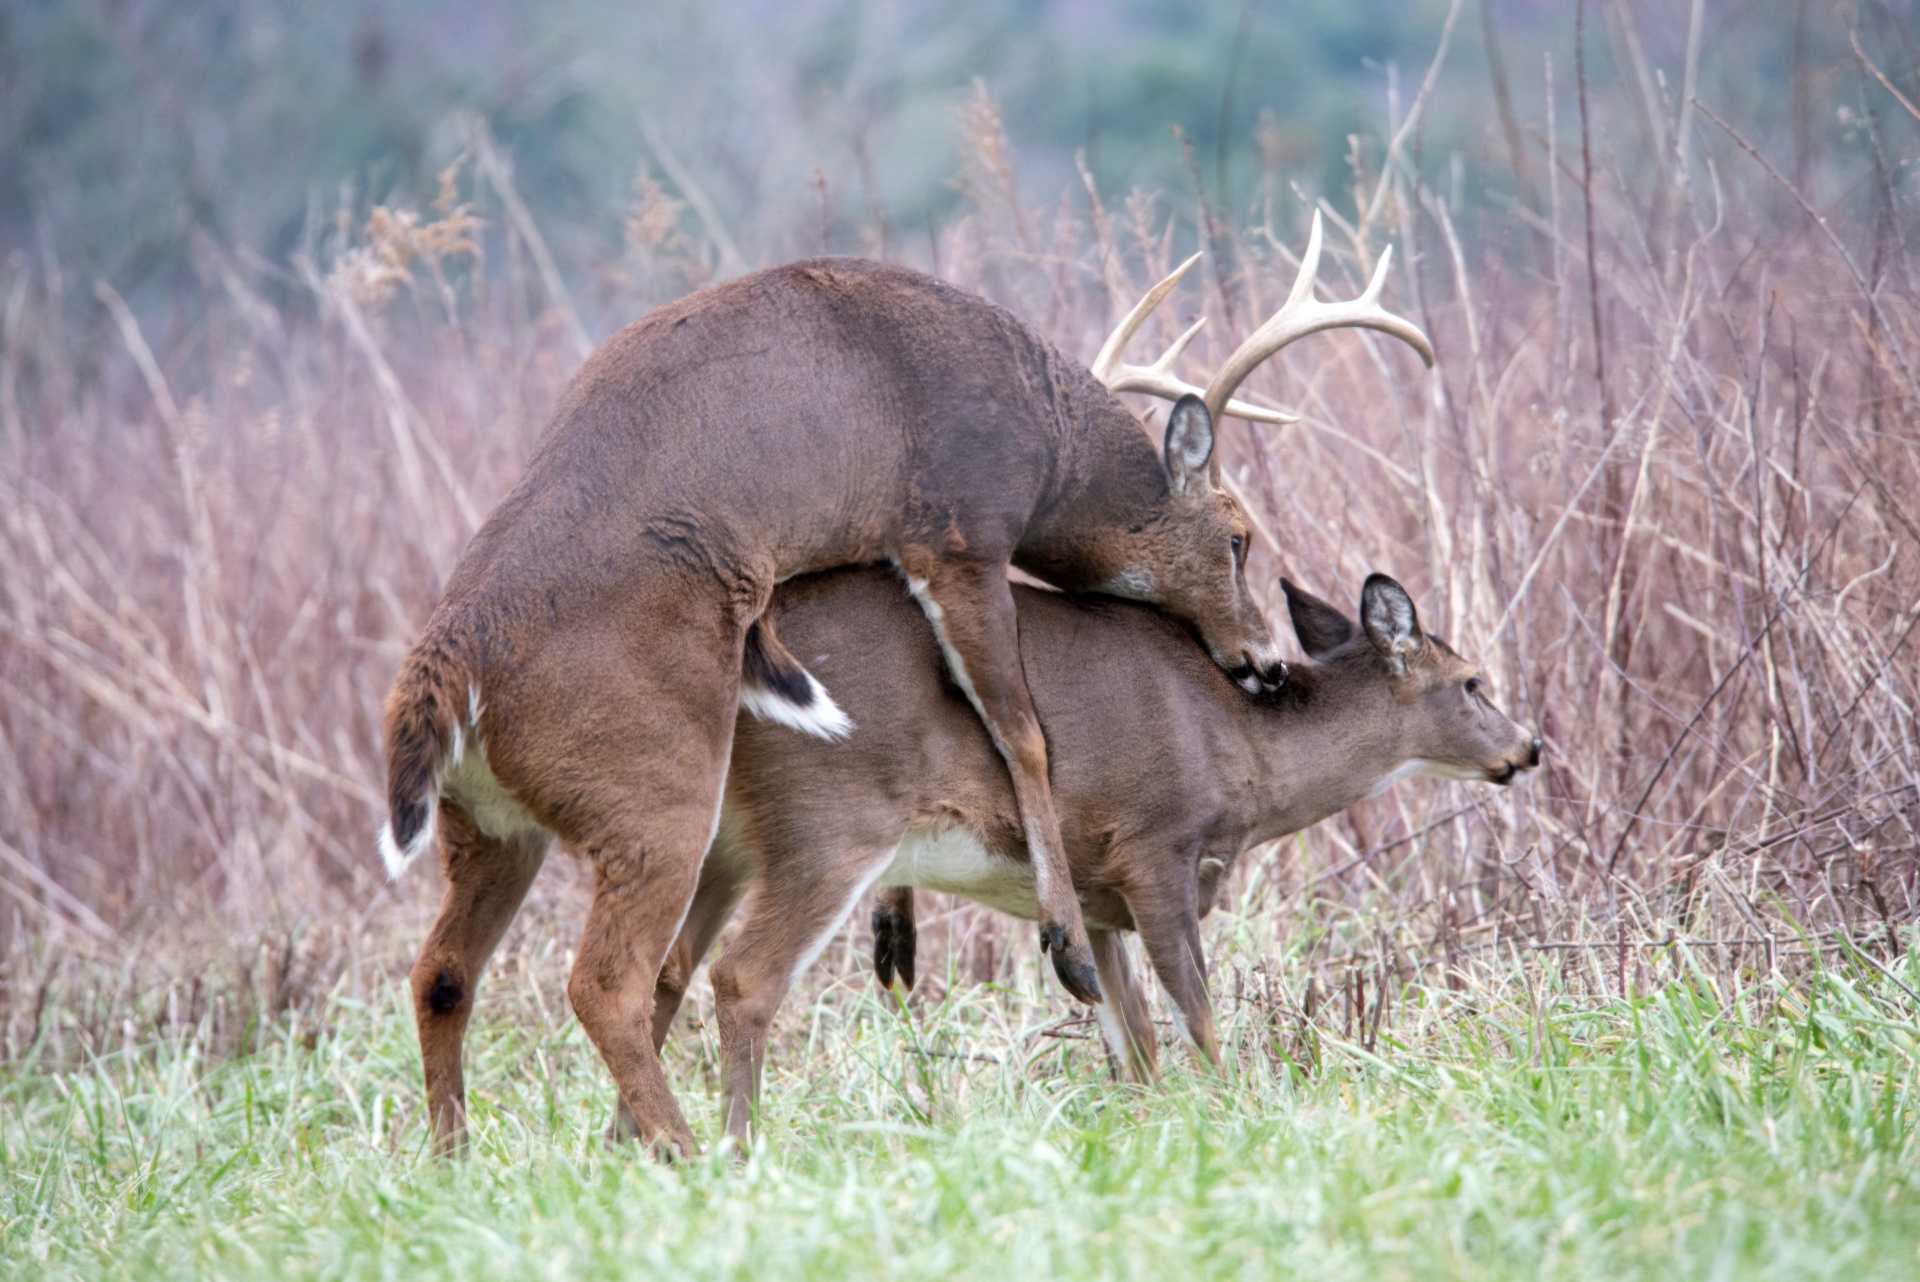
(893, 941)
(1073, 965)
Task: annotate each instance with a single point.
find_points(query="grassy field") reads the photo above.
(1516, 1127)
(1651, 1014)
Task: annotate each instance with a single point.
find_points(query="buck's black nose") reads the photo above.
(1533, 754)
(1274, 675)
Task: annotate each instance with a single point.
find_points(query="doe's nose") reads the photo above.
(1275, 674)
(1533, 754)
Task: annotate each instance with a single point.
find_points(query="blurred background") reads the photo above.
(286, 292)
(127, 129)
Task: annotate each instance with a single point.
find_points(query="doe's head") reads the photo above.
(1440, 718)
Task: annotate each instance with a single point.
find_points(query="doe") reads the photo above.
(1164, 772)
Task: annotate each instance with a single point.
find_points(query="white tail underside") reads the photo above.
(822, 717)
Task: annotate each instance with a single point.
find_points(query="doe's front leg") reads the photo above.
(1125, 1022)
(1171, 933)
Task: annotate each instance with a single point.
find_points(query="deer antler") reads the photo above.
(1158, 379)
(1301, 315)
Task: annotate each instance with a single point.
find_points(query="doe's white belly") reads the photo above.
(953, 861)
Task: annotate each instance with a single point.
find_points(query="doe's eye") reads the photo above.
(1236, 541)
(1473, 686)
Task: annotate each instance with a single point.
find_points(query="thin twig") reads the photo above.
(1586, 191)
(1859, 279)
(1854, 37)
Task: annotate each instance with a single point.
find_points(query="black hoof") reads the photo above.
(893, 945)
(1076, 973)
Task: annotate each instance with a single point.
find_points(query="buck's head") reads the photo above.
(1437, 717)
(1193, 560)
(1188, 554)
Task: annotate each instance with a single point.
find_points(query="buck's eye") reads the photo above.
(1235, 543)
(1473, 686)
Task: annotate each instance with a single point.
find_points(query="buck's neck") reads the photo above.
(1106, 481)
(1319, 747)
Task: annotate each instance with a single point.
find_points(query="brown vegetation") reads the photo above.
(1677, 519)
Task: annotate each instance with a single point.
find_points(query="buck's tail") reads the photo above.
(774, 687)
(433, 702)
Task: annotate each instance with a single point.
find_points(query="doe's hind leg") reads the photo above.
(795, 911)
(487, 877)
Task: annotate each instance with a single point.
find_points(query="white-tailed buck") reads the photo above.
(580, 677)
(1164, 774)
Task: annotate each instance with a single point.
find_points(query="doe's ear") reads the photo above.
(1322, 629)
(1189, 443)
(1391, 623)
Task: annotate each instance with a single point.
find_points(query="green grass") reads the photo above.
(1676, 1135)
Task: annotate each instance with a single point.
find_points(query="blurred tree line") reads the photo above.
(129, 126)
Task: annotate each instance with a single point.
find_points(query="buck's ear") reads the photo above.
(1322, 629)
(1392, 624)
(1189, 443)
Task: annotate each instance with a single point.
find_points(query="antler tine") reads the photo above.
(1106, 366)
(1302, 314)
(1158, 378)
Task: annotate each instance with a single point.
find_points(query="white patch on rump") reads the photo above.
(468, 779)
(493, 809)
(953, 861)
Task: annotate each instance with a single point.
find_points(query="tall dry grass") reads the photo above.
(1665, 482)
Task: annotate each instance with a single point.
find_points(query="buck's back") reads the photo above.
(783, 423)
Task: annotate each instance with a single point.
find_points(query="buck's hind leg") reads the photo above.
(1125, 1023)
(894, 936)
(487, 877)
(719, 892)
(620, 745)
(971, 609)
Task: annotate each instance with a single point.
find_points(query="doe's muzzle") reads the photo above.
(1508, 770)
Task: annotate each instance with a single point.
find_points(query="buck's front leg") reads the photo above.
(972, 613)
